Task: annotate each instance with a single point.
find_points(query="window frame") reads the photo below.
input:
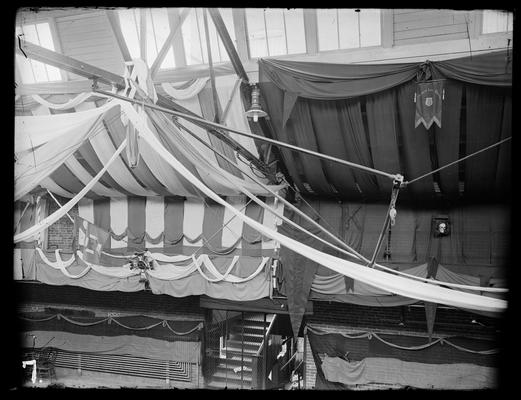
(55, 40)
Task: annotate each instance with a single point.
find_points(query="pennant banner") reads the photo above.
(90, 239)
(428, 97)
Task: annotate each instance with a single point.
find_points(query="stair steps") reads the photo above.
(245, 340)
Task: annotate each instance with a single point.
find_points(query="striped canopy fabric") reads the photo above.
(174, 225)
(62, 144)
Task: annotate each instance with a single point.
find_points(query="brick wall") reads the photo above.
(60, 234)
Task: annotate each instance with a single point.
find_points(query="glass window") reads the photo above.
(275, 31)
(497, 21)
(194, 37)
(130, 23)
(157, 31)
(32, 71)
(348, 28)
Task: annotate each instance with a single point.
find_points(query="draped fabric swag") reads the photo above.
(365, 114)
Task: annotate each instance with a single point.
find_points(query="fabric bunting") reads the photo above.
(246, 268)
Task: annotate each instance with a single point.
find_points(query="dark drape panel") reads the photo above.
(136, 223)
(357, 145)
(101, 210)
(383, 137)
(298, 272)
(415, 144)
(331, 140)
(300, 131)
(484, 122)
(447, 138)
(504, 164)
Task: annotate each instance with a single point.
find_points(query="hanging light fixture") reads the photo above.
(255, 110)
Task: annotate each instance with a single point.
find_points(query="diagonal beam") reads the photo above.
(168, 42)
(143, 34)
(113, 18)
(215, 97)
(46, 56)
(228, 44)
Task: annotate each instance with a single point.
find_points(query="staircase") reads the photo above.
(246, 335)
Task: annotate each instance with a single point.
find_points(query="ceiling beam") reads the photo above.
(49, 57)
(168, 43)
(143, 34)
(228, 44)
(113, 18)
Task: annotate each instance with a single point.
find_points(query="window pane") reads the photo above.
(34, 71)
(256, 32)
(496, 21)
(130, 25)
(169, 61)
(226, 14)
(24, 66)
(348, 29)
(370, 27)
(190, 31)
(295, 31)
(275, 28)
(327, 29)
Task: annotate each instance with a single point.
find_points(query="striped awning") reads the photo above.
(62, 146)
(181, 226)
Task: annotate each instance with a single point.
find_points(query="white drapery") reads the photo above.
(186, 93)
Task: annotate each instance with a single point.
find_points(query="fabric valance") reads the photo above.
(322, 81)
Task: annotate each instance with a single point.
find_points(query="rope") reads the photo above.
(457, 161)
(370, 335)
(59, 205)
(164, 323)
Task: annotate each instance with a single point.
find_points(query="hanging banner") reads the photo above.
(428, 97)
(90, 239)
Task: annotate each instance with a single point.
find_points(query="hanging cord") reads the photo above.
(390, 217)
(355, 254)
(457, 161)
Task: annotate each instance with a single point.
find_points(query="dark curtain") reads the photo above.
(484, 121)
(301, 132)
(447, 138)
(383, 135)
(322, 81)
(321, 107)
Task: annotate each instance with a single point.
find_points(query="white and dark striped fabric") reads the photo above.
(152, 176)
(174, 225)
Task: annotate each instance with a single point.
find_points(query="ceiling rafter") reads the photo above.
(168, 43)
(228, 43)
(143, 34)
(113, 18)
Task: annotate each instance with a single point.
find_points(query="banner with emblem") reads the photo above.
(428, 97)
(90, 239)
